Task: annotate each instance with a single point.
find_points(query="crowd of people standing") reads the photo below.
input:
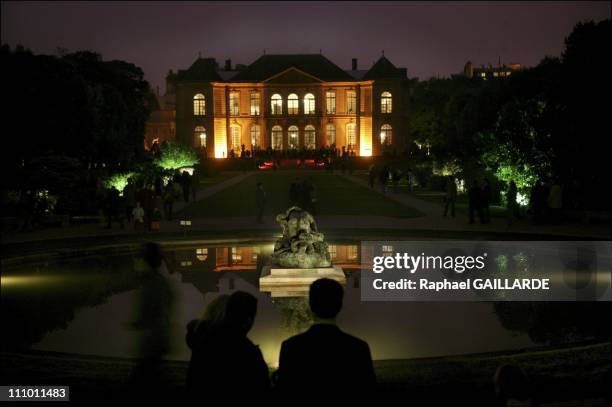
(140, 204)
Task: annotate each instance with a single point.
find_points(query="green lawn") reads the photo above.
(335, 196)
(210, 180)
(461, 205)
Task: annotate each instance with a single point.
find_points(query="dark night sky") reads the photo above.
(428, 39)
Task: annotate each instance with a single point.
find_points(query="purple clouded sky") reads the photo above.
(428, 39)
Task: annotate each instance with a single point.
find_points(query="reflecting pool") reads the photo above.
(87, 305)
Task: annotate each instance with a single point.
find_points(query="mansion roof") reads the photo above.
(269, 66)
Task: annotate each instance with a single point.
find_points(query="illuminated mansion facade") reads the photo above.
(285, 102)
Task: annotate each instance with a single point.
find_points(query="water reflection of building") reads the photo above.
(345, 256)
(205, 267)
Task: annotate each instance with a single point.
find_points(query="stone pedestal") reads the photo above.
(295, 282)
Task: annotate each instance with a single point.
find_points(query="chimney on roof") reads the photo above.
(354, 64)
(228, 64)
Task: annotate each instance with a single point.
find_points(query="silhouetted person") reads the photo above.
(129, 194)
(153, 321)
(450, 196)
(487, 197)
(474, 201)
(328, 360)
(511, 383)
(112, 207)
(372, 176)
(169, 200)
(305, 195)
(195, 182)
(383, 178)
(395, 179)
(260, 201)
(138, 217)
(186, 184)
(224, 361)
(213, 316)
(158, 185)
(294, 192)
(511, 205)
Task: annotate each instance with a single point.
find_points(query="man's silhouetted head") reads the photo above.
(326, 298)
(152, 254)
(240, 310)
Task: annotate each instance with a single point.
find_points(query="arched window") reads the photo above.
(277, 138)
(310, 137)
(330, 134)
(386, 102)
(386, 135)
(199, 137)
(277, 104)
(199, 105)
(293, 104)
(255, 139)
(351, 137)
(294, 140)
(309, 104)
(236, 139)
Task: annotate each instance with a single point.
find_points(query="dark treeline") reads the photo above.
(546, 123)
(68, 116)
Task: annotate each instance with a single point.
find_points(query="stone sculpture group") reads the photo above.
(301, 245)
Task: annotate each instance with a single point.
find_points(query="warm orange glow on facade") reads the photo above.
(292, 108)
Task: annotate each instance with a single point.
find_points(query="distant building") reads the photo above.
(161, 125)
(490, 72)
(286, 102)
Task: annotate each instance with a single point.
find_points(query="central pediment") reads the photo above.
(292, 75)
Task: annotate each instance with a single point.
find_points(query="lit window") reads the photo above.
(200, 136)
(236, 144)
(330, 134)
(496, 74)
(330, 102)
(387, 251)
(508, 73)
(333, 251)
(386, 102)
(351, 102)
(254, 104)
(309, 137)
(351, 138)
(482, 74)
(309, 104)
(234, 107)
(236, 254)
(293, 104)
(255, 139)
(385, 135)
(277, 104)
(352, 252)
(199, 105)
(202, 254)
(277, 138)
(294, 141)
